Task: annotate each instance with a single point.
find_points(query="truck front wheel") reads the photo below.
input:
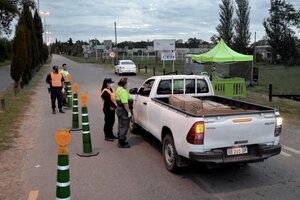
(169, 153)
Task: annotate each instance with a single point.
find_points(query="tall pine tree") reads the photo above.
(19, 54)
(241, 39)
(225, 28)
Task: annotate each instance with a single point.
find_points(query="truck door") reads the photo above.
(141, 104)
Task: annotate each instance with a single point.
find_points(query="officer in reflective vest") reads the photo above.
(64, 72)
(56, 81)
(109, 105)
(123, 112)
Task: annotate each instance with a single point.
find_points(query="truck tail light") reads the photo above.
(196, 133)
(278, 126)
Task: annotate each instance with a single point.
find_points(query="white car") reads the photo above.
(125, 66)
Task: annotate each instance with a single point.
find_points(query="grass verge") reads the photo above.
(6, 62)
(15, 108)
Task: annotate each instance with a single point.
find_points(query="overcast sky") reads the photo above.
(139, 20)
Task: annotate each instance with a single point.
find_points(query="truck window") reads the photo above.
(189, 86)
(202, 86)
(146, 88)
(164, 87)
(178, 86)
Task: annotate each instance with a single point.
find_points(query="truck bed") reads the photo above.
(231, 106)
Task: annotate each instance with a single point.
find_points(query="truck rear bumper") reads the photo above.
(255, 153)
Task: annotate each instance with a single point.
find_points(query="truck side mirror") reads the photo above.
(133, 91)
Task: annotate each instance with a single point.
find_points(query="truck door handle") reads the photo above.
(144, 103)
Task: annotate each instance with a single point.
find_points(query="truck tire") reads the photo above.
(170, 153)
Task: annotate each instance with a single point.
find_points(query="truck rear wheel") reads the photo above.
(169, 153)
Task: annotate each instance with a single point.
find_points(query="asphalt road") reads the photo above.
(5, 79)
(139, 172)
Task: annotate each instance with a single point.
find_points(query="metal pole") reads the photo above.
(270, 92)
(45, 29)
(116, 40)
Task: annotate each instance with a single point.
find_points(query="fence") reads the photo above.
(235, 87)
(295, 97)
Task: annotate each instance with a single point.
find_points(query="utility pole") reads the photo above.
(254, 48)
(116, 41)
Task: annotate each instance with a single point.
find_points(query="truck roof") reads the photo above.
(180, 76)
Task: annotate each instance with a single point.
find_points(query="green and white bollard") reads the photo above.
(86, 136)
(63, 190)
(75, 113)
(69, 94)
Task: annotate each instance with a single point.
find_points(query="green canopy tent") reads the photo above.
(221, 53)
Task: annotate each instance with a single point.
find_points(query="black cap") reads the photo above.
(55, 67)
(108, 80)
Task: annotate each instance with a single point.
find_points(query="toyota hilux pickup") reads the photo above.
(194, 124)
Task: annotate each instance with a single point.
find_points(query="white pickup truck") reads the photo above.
(240, 132)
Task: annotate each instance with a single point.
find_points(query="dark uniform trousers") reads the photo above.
(56, 94)
(123, 122)
(109, 120)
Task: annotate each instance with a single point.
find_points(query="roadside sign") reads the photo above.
(112, 54)
(164, 45)
(168, 56)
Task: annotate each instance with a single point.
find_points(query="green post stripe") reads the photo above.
(63, 160)
(87, 145)
(85, 132)
(63, 192)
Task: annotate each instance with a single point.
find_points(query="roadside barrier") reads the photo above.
(75, 118)
(235, 87)
(86, 136)
(69, 90)
(63, 191)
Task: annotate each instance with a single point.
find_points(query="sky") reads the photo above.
(142, 20)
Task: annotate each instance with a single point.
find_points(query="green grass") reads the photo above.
(6, 62)
(15, 107)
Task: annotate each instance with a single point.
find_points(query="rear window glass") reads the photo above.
(126, 63)
(191, 86)
(201, 86)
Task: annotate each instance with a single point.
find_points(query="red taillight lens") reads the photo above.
(196, 133)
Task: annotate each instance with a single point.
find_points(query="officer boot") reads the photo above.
(123, 144)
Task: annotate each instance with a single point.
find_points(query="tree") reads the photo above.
(26, 16)
(241, 39)
(278, 26)
(8, 11)
(225, 28)
(39, 36)
(19, 55)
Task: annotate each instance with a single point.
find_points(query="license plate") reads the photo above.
(237, 150)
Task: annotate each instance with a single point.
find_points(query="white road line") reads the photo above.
(285, 154)
(290, 149)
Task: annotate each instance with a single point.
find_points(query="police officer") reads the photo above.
(123, 112)
(64, 72)
(56, 82)
(109, 105)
